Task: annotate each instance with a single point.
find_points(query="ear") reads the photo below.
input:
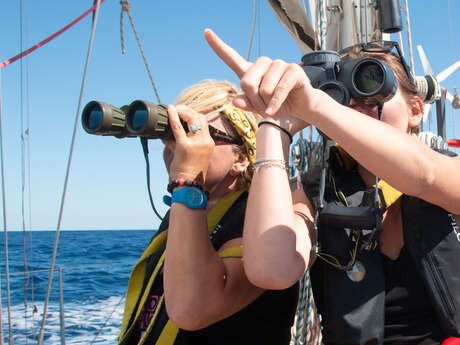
(415, 113)
(240, 164)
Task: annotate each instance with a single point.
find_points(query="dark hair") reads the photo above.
(409, 90)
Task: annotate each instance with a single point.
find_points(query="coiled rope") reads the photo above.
(307, 323)
(58, 228)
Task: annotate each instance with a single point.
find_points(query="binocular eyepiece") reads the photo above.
(139, 119)
(363, 78)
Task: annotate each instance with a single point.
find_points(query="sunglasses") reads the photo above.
(219, 135)
(380, 47)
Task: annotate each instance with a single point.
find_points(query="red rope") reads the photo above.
(38, 45)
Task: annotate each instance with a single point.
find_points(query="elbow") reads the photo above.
(270, 275)
(184, 318)
(425, 182)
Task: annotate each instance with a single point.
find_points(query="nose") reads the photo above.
(362, 107)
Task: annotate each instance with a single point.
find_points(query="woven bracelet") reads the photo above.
(182, 182)
(284, 130)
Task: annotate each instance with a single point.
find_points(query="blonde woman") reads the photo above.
(201, 294)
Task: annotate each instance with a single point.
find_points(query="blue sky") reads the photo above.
(107, 185)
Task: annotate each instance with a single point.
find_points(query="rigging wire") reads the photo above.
(409, 36)
(58, 228)
(451, 38)
(5, 236)
(254, 20)
(126, 7)
(259, 43)
(1, 328)
(108, 319)
(23, 138)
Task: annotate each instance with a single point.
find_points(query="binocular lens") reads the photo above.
(138, 119)
(94, 117)
(368, 77)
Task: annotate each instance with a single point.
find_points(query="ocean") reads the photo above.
(95, 271)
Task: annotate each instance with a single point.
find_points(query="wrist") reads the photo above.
(277, 126)
(192, 197)
(175, 184)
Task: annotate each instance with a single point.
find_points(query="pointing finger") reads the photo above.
(230, 56)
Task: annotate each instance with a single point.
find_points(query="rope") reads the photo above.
(307, 324)
(126, 7)
(50, 278)
(252, 29)
(110, 316)
(322, 19)
(409, 37)
(451, 33)
(45, 41)
(5, 243)
(74, 267)
(1, 312)
(23, 168)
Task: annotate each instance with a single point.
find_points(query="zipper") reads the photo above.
(440, 286)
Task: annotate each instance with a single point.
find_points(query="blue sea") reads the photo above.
(95, 271)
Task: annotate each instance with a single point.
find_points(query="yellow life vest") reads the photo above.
(134, 294)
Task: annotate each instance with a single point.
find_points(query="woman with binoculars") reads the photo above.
(376, 222)
(192, 288)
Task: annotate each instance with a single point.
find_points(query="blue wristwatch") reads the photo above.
(191, 197)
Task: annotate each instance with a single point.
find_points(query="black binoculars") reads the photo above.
(364, 78)
(139, 119)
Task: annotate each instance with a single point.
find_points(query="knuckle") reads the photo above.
(263, 59)
(278, 62)
(266, 91)
(247, 85)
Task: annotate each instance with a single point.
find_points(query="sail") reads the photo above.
(338, 24)
(292, 15)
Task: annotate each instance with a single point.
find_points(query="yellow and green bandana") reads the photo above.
(245, 130)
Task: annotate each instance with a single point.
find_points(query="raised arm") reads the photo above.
(276, 238)
(200, 287)
(275, 88)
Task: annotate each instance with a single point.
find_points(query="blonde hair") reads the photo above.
(212, 97)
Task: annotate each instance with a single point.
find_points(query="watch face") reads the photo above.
(194, 197)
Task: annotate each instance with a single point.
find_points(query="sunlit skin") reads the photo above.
(222, 158)
(198, 284)
(275, 252)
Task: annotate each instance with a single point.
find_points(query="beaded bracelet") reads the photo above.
(267, 163)
(182, 182)
(284, 130)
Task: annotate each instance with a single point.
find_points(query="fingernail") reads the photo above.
(269, 110)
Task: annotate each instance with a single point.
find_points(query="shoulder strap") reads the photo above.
(135, 291)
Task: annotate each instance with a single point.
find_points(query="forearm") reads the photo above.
(193, 272)
(400, 159)
(273, 250)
